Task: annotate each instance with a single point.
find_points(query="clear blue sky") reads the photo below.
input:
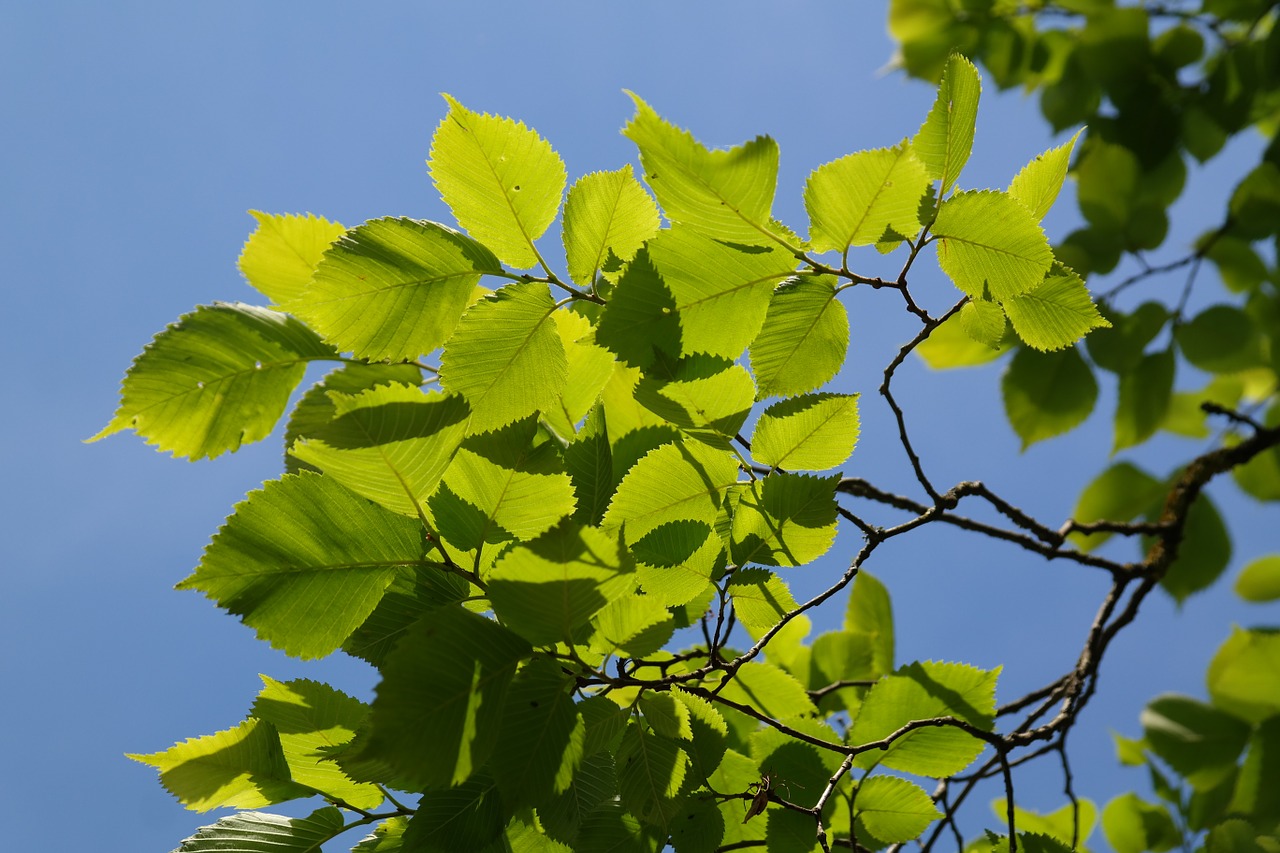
(135, 136)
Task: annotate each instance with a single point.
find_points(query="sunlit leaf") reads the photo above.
(1055, 313)
(283, 251)
(804, 338)
(760, 599)
(589, 367)
(785, 520)
(217, 378)
(856, 200)
(946, 137)
(949, 346)
(894, 810)
(1133, 825)
(1260, 579)
(988, 242)
(814, 432)
(672, 483)
(1037, 185)
(651, 773)
(1243, 676)
(502, 180)
(606, 212)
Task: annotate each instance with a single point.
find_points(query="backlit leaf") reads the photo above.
(1244, 675)
(870, 612)
(1047, 394)
(393, 289)
(988, 242)
(640, 319)
(769, 690)
(438, 708)
(1204, 553)
(502, 180)
(542, 736)
(1037, 185)
(606, 212)
(637, 625)
(1121, 493)
(651, 774)
(1133, 825)
(675, 482)
(760, 599)
(949, 346)
(303, 561)
(785, 520)
(894, 810)
(257, 832)
(946, 137)
(1055, 313)
(506, 357)
(814, 432)
(804, 338)
(589, 367)
(1201, 743)
(983, 322)
(217, 378)
(1260, 579)
(726, 195)
(856, 200)
(283, 251)
(709, 398)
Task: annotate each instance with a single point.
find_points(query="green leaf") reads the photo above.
(438, 709)
(769, 690)
(393, 289)
(946, 137)
(711, 280)
(983, 322)
(1256, 794)
(1119, 347)
(760, 599)
(1221, 339)
(870, 612)
(387, 837)
(708, 398)
(1037, 185)
(790, 832)
(922, 691)
(406, 599)
(860, 198)
(894, 810)
(1055, 313)
(785, 520)
(637, 625)
(606, 212)
(594, 783)
(843, 656)
(502, 180)
(988, 242)
(1201, 743)
(675, 482)
(677, 560)
(1047, 394)
(316, 410)
(545, 589)
(1204, 553)
(699, 827)
(726, 195)
(466, 817)
(500, 487)
(708, 733)
(640, 320)
(217, 378)
(1133, 826)
(804, 338)
(651, 774)
(949, 346)
(1121, 493)
(506, 357)
(1068, 824)
(1236, 836)
(1244, 675)
(283, 251)
(311, 720)
(242, 768)
(589, 462)
(256, 832)
(1260, 579)
(589, 368)
(303, 561)
(390, 444)
(542, 737)
(1145, 393)
(814, 432)
(1129, 752)
(666, 716)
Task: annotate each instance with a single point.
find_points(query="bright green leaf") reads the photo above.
(856, 200)
(1201, 743)
(547, 588)
(675, 482)
(1260, 579)
(589, 367)
(1133, 826)
(946, 137)
(870, 612)
(922, 691)
(987, 242)
(1068, 824)
(606, 212)
(804, 338)
(242, 768)
(651, 774)
(304, 561)
(217, 378)
(506, 357)
(1047, 394)
(1055, 313)
(502, 180)
(983, 322)
(677, 560)
(1145, 393)
(1121, 493)
(814, 432)
(283, 251)
(894, 810)
(785, 520)
(726, 195)
(708, 398)
(637, 625)
(760, 599)
(1037, 185)
(393, 289)
(390, 444)
(1244, 675)
(949, 346)
(769, 690)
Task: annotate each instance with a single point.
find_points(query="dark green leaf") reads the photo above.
(1047, 394)
(542, 738)
(1145, 393)
(1198, 741)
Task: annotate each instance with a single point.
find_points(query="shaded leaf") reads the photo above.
(1260, 579)
(1145, 393)
(257, 832)
(1047, 394)
(542, 737)
(1244, 675)
(785, 520)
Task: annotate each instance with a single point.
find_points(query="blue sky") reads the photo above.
(137, 135)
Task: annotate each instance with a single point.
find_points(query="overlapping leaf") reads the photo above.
(438, 709)
(651, 773)
(1055, 313)
(675, 482)
(606, 213)
(1037, 185)
(804, 338)
(708, 398)
(502, 180)
(945, 139)
(393, 289)
(1047, 394)
(813, 432)
(760, 599)
(283, 251)
(506, 357)
(894, 810)
(865, 198)
(988, 242)
(542, 737)
(217, 378)
(589, 367)
(304, 561)
(785, 520)
(257, 832)
(726, 195)
(390, 444)
(467, 817)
